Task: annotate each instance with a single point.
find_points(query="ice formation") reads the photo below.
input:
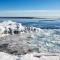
(5, 25)
(47, 40)
(29, 56)
(44, 39)
(6, 56)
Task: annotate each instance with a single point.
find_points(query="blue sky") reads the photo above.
(29, 4)
(36, 8)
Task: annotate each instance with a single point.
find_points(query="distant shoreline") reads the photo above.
(22, 18)
(40, 18)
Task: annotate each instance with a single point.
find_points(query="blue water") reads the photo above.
(44, 24)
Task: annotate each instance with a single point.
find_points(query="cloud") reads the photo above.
(31, 13)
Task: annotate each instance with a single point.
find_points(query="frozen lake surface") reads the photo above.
(45, 40)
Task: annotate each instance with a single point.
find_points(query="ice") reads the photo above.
(6, 56)
(40, 56)
(10, 24)
(41, 40)
(30, 56)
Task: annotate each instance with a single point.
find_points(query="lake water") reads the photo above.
(44, 24)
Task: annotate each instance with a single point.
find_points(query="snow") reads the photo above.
(29, 56)
(2, 35)
(1, 29)
(34, 56)
(43, 37)
(9, 24)
(5, 56)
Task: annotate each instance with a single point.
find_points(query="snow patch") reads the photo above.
(5, 56)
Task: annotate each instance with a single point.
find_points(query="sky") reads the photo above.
(29, 4)
(30, 8)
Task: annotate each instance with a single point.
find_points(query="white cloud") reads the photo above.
(31, 13)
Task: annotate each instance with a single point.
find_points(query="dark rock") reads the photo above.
(4, 45)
